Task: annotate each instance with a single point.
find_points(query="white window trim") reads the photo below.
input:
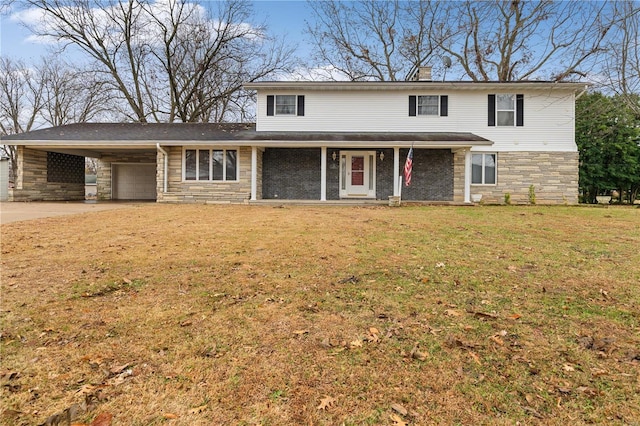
(224, 170)
(295, 106)
(514, 110)
(483, 168)
(437, 114)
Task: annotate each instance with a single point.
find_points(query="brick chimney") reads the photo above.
(422, 74)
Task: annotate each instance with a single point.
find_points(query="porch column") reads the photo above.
(467, 175)
(254, 172)
(396, 171)
(323, 173)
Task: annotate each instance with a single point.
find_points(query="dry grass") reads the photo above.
(201, 315)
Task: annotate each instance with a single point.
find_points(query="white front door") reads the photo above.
(357, 174)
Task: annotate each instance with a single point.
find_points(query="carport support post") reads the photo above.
(323, 173)
(254, 173)
(165, 170)
(467, 175)
(396, 171)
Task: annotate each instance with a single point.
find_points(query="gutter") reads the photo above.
(165, 168)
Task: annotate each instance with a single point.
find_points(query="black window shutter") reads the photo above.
(301, 105)
(519, 110)
(444, 106)
(492, 110)
(270, 104)
(412, 106)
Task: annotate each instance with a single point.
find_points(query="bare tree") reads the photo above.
(370, 40)
(502, 40)
(508, 40)
(21, 102)
(50, 92)
(169, 61)
(70, 95)
(622, 66)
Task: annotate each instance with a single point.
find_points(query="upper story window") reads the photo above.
(428, 105)
(433, 105)
(506, 110)
(211, 164)
(285, 105)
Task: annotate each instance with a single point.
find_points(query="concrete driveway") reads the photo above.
(19, 211)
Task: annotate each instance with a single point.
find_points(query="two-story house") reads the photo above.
(328, 141)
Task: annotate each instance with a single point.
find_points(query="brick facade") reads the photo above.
(294, 174)
(291, 174)
(432, 176)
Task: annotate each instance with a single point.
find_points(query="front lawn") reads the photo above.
(202, 315)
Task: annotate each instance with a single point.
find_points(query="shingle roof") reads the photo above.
(218, 132)
(135, 132)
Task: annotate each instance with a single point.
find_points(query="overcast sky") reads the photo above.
(284, 17)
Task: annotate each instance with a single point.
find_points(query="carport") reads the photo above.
(51, 163)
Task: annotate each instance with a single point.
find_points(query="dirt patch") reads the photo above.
(198, 315)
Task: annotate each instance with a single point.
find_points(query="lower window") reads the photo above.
(211, 164)
(483, 169)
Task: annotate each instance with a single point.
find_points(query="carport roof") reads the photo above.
(139, 135)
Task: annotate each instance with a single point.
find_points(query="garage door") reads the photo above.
(134, 181)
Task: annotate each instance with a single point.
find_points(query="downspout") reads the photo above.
(165, 167)
(581, 93)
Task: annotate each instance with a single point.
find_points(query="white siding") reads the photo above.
(548, 116)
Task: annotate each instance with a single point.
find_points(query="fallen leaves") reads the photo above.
(397, 420)
(326, 403)
(399, 409)
(198, 410)
(103, 419)
(417, 354)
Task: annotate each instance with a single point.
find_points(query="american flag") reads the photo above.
(408, 168)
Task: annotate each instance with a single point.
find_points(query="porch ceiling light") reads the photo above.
(381, 155)
(334, 155)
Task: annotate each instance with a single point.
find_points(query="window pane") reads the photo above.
(476, 168)
(428, 105)
(203, 164)
(490, 168)
(231, 164)
(505, 118)
(218, 164)
(357, 170)
(286, 104)
(190, 164)
(505, 102)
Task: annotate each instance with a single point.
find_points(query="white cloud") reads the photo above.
(40, 22)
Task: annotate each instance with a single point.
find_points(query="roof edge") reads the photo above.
(412, 85)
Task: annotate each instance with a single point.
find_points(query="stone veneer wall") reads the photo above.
(103, 179)
(458, 175)
(179, 191)
(554, 176)
(34, 184)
